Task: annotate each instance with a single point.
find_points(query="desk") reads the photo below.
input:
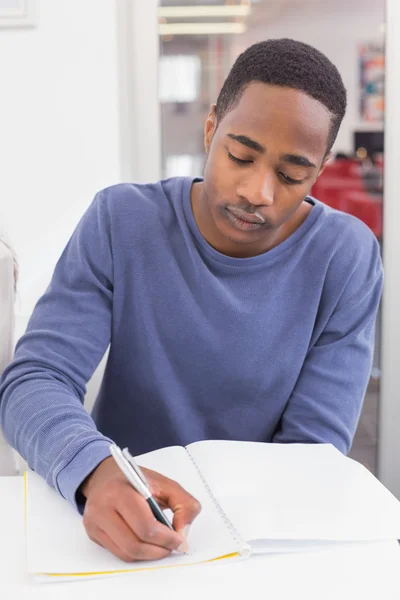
(369, 571)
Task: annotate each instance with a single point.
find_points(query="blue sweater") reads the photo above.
(273, 348)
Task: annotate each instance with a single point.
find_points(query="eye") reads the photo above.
(289, 180)
(238, 161)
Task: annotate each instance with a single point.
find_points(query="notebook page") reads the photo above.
(57, 542)
(297, 492)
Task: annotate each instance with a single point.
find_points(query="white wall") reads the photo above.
(335, 28)
(59, 130)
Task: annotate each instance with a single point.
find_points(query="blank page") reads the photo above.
(297, 492)
(57, 542)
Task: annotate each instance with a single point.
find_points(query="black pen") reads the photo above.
(136, 478)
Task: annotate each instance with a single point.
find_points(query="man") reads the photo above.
(237, 307)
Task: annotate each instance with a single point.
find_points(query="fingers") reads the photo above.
(119, 519)
(184, 506)
(128, 553)
(142, 522)
(102, 539)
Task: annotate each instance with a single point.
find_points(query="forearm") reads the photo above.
(42, 391)
(45, 421)
(326, 403)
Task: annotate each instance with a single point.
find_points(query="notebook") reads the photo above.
(256, 498)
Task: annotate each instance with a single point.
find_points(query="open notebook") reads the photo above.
(256, 498)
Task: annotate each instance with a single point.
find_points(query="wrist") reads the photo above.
(70, 478)
(88, 483)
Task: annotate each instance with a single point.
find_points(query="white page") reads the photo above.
(57, 542)
(297, 492)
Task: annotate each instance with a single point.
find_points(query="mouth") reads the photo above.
(243, 220)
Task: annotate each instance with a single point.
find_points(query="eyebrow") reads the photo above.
(293, 159)
(246, 141)
(300, 161)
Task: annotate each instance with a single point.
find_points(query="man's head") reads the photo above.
(290, 64)
(267, 139)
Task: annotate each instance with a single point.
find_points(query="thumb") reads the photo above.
(184, 515)
(184, 506)
(173, 496)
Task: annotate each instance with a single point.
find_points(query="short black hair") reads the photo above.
(291, 64)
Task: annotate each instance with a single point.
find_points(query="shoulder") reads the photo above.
(347, 238)
(129, 211)
(130, 199)
(353, 252)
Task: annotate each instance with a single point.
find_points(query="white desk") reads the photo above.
(370, 571)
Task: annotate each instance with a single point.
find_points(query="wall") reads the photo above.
(335, 28)
(59, 124)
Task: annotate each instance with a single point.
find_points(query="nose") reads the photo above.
(259, 189)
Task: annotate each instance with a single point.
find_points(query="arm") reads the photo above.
(327, 399)
(42, 391)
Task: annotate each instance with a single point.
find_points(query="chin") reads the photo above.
(241, 238)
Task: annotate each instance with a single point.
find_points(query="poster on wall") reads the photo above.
(372, 81)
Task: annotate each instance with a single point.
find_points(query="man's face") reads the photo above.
(263, 159)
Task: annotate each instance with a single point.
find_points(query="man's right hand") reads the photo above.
(119, 519)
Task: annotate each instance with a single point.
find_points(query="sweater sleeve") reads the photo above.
(42, 390)
(326, 402)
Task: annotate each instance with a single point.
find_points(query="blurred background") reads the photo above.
(102, 91)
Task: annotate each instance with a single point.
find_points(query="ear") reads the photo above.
(210, 127)
(324, 162)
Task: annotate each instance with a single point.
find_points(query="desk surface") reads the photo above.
(365, 572)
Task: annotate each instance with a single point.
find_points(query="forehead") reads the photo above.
(281, 116)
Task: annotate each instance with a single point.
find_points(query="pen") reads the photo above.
(136, 478)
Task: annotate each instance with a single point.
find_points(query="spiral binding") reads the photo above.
(243, 547)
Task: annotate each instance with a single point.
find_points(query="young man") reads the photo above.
(237, 307)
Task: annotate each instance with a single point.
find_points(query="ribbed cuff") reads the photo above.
(75, 472)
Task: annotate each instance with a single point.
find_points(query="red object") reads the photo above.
(341, 186)
(366, 208)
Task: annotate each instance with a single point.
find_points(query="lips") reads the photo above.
(253, 218)
(244, 221)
